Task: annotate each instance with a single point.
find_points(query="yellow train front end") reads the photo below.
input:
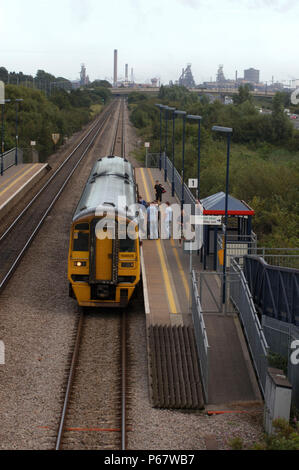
(103, 272)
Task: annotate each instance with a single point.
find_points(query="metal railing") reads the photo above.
(200, 336)
(275, 289)
(237, 246)
(8, 159)
(280, 337)
(258, 346)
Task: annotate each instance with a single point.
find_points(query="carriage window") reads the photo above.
(82, 227)
(81, 240)
(127, 246)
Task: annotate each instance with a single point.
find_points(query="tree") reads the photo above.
(3, 74)
(282, 127)
(243, 95)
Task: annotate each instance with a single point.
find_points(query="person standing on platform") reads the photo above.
(159, 191)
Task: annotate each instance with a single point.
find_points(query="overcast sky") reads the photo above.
(155, 37)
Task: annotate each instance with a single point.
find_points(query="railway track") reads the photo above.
(94, 410)
(106, 389)
(18, 236)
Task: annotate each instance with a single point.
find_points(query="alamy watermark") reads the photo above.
(294, 359)
(153, 221)
(295, 97)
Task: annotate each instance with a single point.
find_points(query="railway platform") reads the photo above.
(167, 299)
(16, 182)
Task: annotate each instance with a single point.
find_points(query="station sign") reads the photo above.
(147, 145)
(206, 219)
(193, 183)
(55, 138)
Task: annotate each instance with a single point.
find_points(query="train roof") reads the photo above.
(110, 186)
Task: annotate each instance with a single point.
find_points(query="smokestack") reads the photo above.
(115, 68)
(132, 75)
(127, 72)
(236, 75)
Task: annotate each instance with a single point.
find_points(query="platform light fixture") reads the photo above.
(183, 114)
(197, 118)
(161, 107)
(17, 101)
(171, 109)
(228, 131)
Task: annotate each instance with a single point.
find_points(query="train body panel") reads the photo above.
(104, 258)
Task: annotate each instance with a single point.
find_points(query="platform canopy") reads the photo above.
(215, 205)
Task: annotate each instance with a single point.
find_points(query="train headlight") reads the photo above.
(80, 264)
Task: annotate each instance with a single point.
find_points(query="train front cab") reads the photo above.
(102, 272)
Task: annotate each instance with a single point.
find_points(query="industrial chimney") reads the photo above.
(115, 68)
(127, 73)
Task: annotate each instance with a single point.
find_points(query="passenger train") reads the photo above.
(104, 258)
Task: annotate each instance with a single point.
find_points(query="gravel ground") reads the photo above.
(37, 323)
(95, 400)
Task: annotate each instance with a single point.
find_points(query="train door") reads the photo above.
(103, 255)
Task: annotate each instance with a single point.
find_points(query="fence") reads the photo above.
(241, 297)
(275, 290)
(237, 246)
(200, 336)
(280, 336)
(8, 159)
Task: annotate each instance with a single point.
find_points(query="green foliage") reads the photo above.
(285, 437)
(65, 112)
(243, 95)
(277, 361)
(264, 164)
(236, 443)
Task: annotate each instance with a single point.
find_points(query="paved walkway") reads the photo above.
(16, 178)
(166, 272)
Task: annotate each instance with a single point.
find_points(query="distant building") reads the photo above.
(252, 75)
(220, 79)
(186, 79)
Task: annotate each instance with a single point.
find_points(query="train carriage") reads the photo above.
(104, 258)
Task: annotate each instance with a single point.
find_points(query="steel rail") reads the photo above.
(71, 376)
(123, 382)
(114, 142)
(70, 381)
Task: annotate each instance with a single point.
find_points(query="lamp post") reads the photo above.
(183, 114)
(173, 150)
(228, 131)
(160, 106)
(17, 136)
(167, 108)
(2, 133)
(197, 118)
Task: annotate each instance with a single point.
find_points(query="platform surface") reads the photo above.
(16, 178)
(166, 275)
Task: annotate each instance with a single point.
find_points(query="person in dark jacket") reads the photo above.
(159, 191)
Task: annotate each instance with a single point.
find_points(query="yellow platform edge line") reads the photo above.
(170, 296)
(181, 269)
(4, 183)
(20, 177)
